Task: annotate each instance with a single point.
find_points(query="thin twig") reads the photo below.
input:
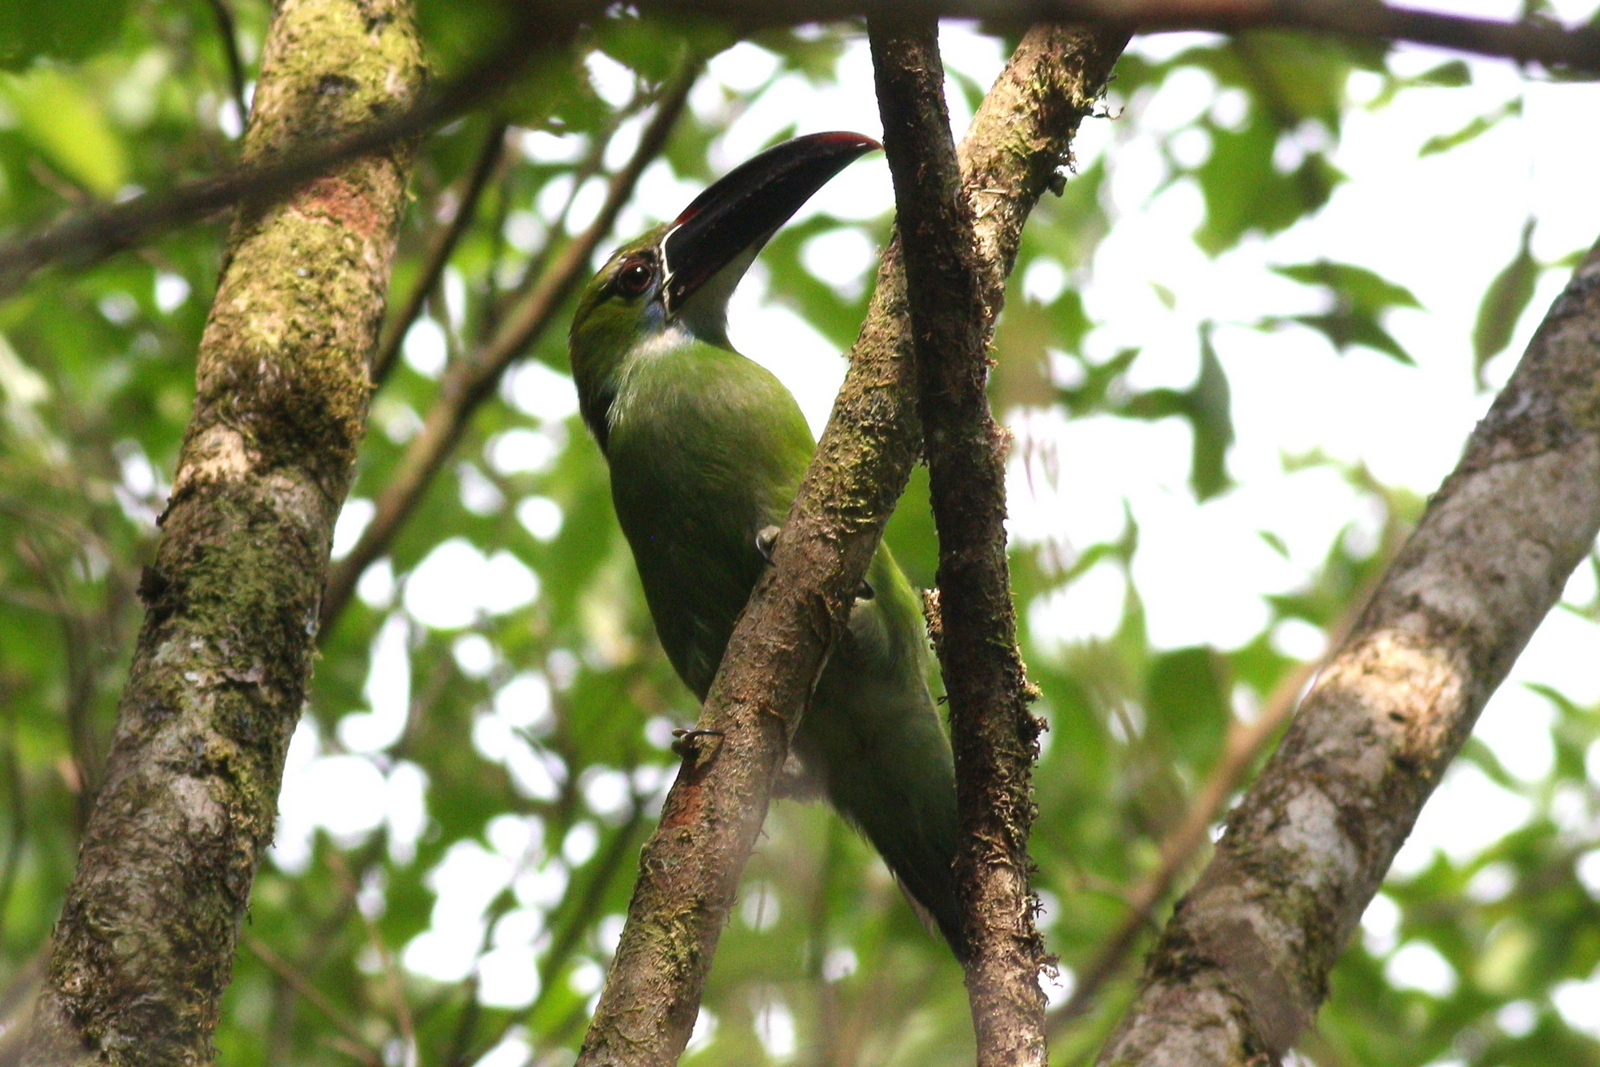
(83, 741)
(230, 48)
(1244, 744)
(592, 163)
(19, 808)
(472, 380)
(313, 996)
(391, 970)
(439, 251)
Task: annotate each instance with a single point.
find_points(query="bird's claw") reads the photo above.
(766, 539)
(686, 743)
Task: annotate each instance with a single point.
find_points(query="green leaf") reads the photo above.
(1297, 76)
(1347, 328)
(1206, 407)
(1245, 192)
(1503, 304)
(1211, 419)
(1452, 73)
(69, 127)
(1357, 286)
(1472, 130)
(1186, 695)
(59, 29)
(1360, 299)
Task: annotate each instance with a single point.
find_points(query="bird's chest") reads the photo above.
(686, 471)
(693, 481)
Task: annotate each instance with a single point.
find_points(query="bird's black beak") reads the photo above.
(727, 224)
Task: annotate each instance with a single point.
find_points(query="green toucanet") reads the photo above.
(706, 450)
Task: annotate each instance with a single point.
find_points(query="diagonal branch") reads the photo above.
(994, 736)
(1243, 964)
(440, 248)
(88, 237)
(472, 380)
(1244, 744)
(690, 867)
(229, 37)
(307, 990)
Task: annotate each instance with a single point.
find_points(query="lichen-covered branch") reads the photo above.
(690, 867)
(1243, 964)
(994, 735)
(145, 943)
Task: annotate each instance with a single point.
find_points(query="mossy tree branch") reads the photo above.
(994, 735)
(144, 947)
(1243, 964)
(690, 867)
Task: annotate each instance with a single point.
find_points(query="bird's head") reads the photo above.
(679, 276)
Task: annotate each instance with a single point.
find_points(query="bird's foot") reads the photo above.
(796, 781)
(687, 744)
(766, 539)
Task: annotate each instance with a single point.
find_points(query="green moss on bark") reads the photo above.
(144, 946)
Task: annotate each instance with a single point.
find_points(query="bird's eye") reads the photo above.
(634, 279)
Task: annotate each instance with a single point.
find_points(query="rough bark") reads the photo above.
(1243, 964)
(994, 735)
(690, 867)
(144, 946)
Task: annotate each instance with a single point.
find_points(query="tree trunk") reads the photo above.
(1243, 964)
(144, 946)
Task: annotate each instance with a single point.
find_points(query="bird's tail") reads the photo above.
(899, 790)
(873, 735)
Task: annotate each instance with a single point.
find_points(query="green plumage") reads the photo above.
(707, 448)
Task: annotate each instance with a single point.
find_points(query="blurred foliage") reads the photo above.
(463, 900)
(1504, 302)
(1360, 298)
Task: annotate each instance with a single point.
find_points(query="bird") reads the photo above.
(706, 449)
